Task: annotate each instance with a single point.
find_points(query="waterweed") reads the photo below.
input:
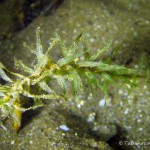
(69, 69)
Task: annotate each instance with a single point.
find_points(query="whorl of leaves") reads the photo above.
(69, 69)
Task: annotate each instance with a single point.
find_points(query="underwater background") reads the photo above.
(85, 122)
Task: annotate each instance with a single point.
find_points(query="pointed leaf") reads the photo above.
(76, 83)
(4, 76)
(39, 51)
(42, 96)
(108, 78)
(55, 40)
(70, 50)
(61, 81)
(88, 64)
(78, 38)
(101, 52)
(16, 115)
(23, 67)
(86, 52)
(92, 79)
(45, 87)
(105, 88)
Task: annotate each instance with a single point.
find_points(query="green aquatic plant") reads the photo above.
(76, 67)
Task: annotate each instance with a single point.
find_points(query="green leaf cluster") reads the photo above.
(69, 69)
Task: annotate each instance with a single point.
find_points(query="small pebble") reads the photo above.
(64, 128)
(102, 102)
